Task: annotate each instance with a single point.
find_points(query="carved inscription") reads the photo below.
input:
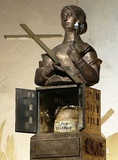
(56, 148)
(94, 147)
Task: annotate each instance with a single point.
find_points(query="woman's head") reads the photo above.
(78, 14)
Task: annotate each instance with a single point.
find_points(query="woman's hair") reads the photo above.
(79, 15)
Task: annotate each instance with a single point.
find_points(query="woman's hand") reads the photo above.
(57, 66)
(73, 54)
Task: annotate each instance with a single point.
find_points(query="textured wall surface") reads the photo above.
(19, 59)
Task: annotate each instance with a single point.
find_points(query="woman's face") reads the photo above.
(68, 20)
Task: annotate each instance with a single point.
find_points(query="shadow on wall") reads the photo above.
(9, 147)
(112, 146)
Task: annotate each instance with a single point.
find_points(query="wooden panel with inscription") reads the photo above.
(49, 145)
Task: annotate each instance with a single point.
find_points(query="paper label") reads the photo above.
(66, 126)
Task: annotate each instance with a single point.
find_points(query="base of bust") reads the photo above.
(67, 146)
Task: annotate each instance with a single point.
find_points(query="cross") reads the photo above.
(107, 115)
(36, 38)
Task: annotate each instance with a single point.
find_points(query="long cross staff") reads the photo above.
(49, 52)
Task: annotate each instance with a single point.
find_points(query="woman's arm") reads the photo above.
(45, 70)
(87, 63)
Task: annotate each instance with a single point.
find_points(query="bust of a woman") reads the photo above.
(73, 52)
